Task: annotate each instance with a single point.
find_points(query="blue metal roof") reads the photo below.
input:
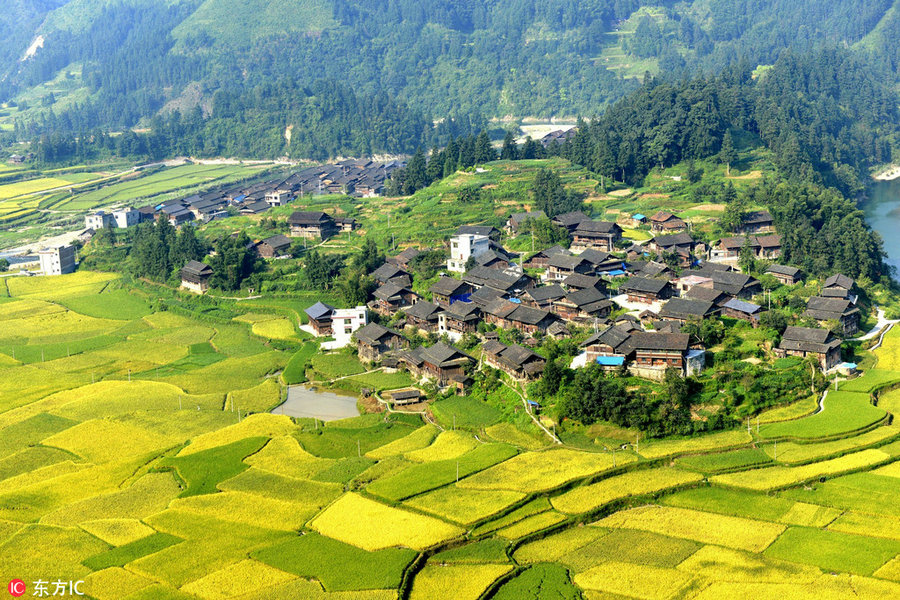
(615, 272)
(610, 361)
(741, 306)
(638, 216)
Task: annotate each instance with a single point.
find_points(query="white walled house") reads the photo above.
(57, 261)
(278, 197)
(127, 217)
(345, 322)
(98, 220)
(465, 246)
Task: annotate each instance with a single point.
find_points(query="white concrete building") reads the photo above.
(98, 220)
(278, 197)
(463, 247)
(57, 261)
(344, 322)
(127, 217)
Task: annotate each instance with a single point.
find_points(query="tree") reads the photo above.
(727, 153)
(747, 257)
(510, 150)
(4, 264)
(233, 262)
(550, 196)
(469, 194)
(416, 175)
(370, 258)
(316, 270)
(186, 247)
(774, 319)
(694, 175)
(355, 287)
(484, 152)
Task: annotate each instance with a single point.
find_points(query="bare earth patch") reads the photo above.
(750, 175)
(711, 207)
(621, 193)
(654, 196)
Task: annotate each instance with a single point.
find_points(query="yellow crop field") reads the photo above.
(448, 445)
(890, 470)
(510, 434)
(464, 506)
(635, 483)
(117, 531)
(30, 186)
(301, 589)
(28, 308)
(60, 326)
(22, 387)
(154, 351)
(177, 336)
(809, 515)
(772, 478)
(826, 587)
(168, 320)
(28, 550)
(890, 570)
(726, 564)
(889, 353)
(262, 424)
(373, 526)
(253, 509)
(114, 398)
(211, 544)
(866, 524)
(285, 456)
(890, 401)
(531, 524)
(41, 475)
(541, 471)
(236, 579)
(314, 494)
(276, 329)
(261, 398)
(50, 288)
(418, 439)
(795, 410)
(791, 452)
(102, 441)
(146, 496)
(635, 581)
(230, 374)
(707, 528)
(713, 441)
(113, 583)
(467, 582)
(554, 547)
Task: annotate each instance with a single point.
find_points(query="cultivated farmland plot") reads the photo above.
(128, 455)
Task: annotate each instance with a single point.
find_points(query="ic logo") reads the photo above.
(16, 588)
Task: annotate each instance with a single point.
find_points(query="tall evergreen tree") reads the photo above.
(727, 154)
(510, 150)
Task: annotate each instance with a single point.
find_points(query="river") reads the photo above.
(882, 209)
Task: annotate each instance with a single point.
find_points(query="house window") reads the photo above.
(348, 330)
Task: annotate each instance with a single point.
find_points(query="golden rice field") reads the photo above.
(128, 460)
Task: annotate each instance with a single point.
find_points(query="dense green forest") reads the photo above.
(257, 67)
(826, 116)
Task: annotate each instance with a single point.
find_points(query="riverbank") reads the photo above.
(888, 174)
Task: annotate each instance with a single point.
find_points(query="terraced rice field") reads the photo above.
(158, 487)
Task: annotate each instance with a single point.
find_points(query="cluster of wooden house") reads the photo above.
(360, 178)
(575, 288)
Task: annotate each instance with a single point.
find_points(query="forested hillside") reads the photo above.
(119, 63)
(825, 115)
